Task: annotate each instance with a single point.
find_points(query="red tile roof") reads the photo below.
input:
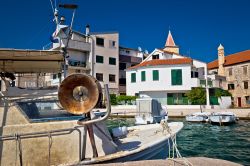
(157, 62)
(232, 59)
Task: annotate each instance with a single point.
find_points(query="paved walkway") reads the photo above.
(128, 111)
(192, 161)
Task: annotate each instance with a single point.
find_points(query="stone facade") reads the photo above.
(237, 75)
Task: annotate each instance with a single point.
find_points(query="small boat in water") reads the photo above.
(198, 117)
(223, 118)
(149, 111)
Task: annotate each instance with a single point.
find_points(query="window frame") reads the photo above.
(155, 74)
(110, 77)
(99, 57)
(143, 76)
(111, 60)
(100, 44)
(100, 74)
(133, 77)
(176, 81)
(245, 84)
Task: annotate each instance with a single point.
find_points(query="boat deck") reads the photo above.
(140, 142)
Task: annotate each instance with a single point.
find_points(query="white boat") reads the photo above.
(223, 118)
(141, 142)
(29, 132)
(149, 111)
(198, 117)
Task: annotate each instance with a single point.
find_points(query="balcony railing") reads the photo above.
(76, 63)
(73, 44)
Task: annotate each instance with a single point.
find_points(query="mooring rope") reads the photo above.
(18, 141)
(165, 126)
(50, 145)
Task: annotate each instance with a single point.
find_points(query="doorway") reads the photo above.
(239, 101)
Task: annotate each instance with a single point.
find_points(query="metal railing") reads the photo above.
(49, 134)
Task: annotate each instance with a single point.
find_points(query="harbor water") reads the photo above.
(230, 143)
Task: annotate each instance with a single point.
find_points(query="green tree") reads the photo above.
(221, 92)
(197, 96)
(113, 99)
(126, 99)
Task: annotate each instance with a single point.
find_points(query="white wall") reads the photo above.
(164, 82)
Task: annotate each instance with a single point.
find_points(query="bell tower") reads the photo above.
(170, 44)
(221, 60)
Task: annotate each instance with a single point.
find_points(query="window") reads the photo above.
(111, 78)
(122, 66)
(177, 99)
(133, 77)
(99, 59)
(155, 75)
(194, 74)
(100, 41)
(245, 70)
(248, 99)
(245, 84)
(176, 76)
(155, 56)
(54, 76)
(122, 81)
(127, 51)
(99, 76)
(230, 86)
(143, 76)
(112, 44)
(230, 71)
(112, 61)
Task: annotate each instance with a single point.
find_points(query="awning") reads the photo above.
(30, 61)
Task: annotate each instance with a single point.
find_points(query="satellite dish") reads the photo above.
(146, 51)
(139, 48)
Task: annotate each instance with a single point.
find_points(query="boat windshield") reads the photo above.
(43, 111)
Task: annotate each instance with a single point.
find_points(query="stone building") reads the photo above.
(236, 69)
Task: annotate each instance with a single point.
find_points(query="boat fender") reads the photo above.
(120, 131)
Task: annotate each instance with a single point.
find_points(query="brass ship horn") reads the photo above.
(79, 93)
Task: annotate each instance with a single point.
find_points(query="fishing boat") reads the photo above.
(223, 118)
(38, 129)
(198, 117)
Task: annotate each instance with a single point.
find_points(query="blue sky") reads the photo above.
(198, 26)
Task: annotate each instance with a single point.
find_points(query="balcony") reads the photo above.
(196, 82)
(73, 44)
(78, 64)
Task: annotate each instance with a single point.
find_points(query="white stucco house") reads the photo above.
(166, 75)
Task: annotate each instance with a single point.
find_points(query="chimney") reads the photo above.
(221, 60)
(87, 30)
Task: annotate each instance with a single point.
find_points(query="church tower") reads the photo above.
(170, 44)
(221, 60)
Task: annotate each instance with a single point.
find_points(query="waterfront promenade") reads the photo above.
(130, 110)
(203, 161)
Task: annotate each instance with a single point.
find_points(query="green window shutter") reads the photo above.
(170, 99)
(210, 83)
(112, 61)
(133, 77)
(143, 76)
(203, 82)
(155, 75)
(179, 77)
(99, 59)
(176, 77)
(173, 77)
